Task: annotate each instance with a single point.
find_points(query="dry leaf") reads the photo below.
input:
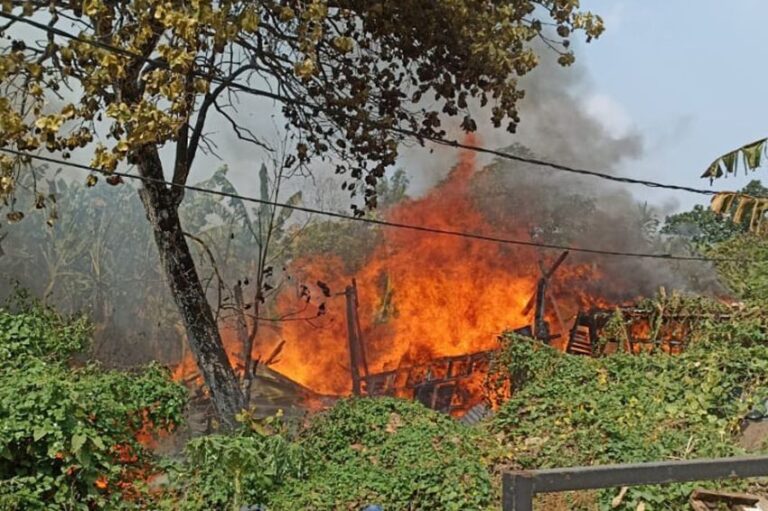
(395, 421)
(617, 500)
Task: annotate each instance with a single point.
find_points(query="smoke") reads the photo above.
(559, 125)
(518, 200)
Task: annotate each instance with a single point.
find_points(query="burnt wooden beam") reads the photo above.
(353, 340)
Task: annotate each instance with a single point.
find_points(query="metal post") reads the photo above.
(517, 492)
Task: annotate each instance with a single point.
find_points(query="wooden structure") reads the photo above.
(358, 365)
(539, 300)
(440, 384)
(642, 330)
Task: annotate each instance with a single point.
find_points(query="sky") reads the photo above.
(689, 76)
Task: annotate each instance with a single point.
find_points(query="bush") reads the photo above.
(36, 333)
(68, 436)
(631, 408)
(228, 471)
(392, 452)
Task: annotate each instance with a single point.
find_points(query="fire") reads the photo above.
(421, 295)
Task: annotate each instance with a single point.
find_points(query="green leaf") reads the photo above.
(77, 442)
(97, 442)
(39, 433)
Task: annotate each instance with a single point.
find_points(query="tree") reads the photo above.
(704, 227)
(348, 74)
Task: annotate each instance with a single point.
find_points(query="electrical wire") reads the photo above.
(383, 223)
(401, 131)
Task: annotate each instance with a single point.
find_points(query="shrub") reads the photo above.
(228, 471)
(68, 436)
(392, 452)
(36, 333)
(631, 408)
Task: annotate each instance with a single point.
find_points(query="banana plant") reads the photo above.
(227, 232)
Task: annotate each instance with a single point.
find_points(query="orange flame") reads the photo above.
(421, 295)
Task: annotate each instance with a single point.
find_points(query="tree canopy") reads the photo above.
(349, 75)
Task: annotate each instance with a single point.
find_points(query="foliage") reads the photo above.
(704, 227)
(744, 207)
(68, 436)
(630, 408)
(98, 256)
(701, 226)
(340, 72)
(392, 452)
(36, 333)
(229, 471)
(744, 266)
(95, 256)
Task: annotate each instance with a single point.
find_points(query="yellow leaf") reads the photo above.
(35, 89)
(718, 202)
(286, 14)
(343, 44)
(68, 111)
(741, 209)
(66, 54)
(305, 68)
(250, 20)
(91, 180)
(201, 86)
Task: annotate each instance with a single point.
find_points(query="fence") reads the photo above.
(519, 487)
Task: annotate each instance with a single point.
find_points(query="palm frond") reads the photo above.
(748, 157)
(739, 207)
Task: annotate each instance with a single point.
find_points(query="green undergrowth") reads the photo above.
(68, 435)
(570, 411)
(60, 428)
(363, 451)
(392, 452)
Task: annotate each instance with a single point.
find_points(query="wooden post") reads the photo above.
(540, 327)
(356, 360)
(360, 340)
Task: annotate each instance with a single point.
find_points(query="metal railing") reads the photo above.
(519, 487)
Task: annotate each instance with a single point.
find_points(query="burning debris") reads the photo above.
(423, 313)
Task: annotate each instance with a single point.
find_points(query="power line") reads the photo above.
(401, 131)
(383, 223)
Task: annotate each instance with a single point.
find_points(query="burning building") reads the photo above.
(420, 316)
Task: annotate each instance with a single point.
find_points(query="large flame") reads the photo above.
(421, 295)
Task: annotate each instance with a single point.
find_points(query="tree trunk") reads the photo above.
(180, 272)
